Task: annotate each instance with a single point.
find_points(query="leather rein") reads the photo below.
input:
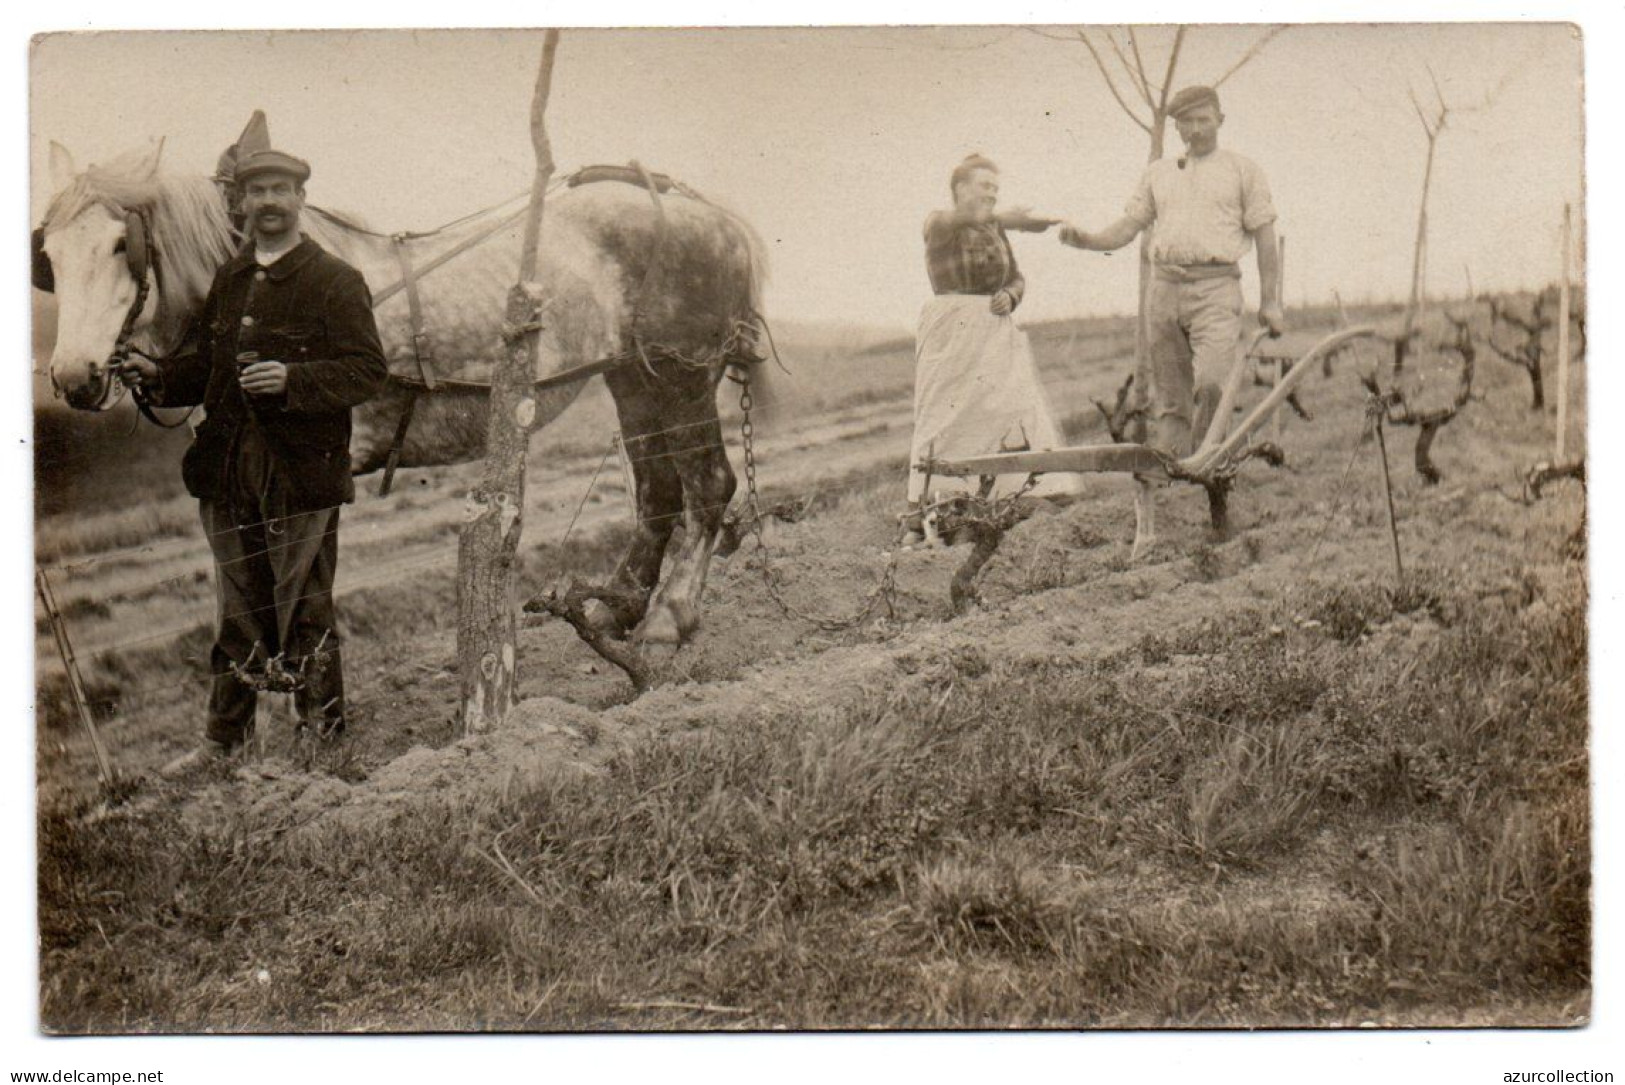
(142, 260)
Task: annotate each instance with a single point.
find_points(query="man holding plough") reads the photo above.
(1204, 210)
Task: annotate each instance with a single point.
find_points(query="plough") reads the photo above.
(983, 519)
(1214, 463)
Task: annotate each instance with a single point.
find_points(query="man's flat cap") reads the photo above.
(258, 162)
(1190, 98)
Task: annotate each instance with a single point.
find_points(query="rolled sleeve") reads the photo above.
(1141, 208)
(1257, 206)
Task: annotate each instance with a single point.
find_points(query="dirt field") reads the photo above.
(1244, 781)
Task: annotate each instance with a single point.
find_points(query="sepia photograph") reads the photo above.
(733, 529)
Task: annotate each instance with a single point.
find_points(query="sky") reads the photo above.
(836, 143)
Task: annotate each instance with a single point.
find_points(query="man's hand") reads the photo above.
(137, 371)
(1023, 219)
(1072, 235)
(1271, 316)
(1002, 304)
(264, 378)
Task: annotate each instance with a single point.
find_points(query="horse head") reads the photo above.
(103, 235)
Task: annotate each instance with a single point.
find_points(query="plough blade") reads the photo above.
(1125, 457)
(1217, 449)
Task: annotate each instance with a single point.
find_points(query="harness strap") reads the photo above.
(632, 174)
(144, 266)
(383, 295)
(422, 347)
(398, 442)
(582, 372)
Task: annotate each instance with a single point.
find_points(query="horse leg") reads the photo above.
(659, 499)
(708, 485)
(1145, 519)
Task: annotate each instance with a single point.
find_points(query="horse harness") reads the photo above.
(141, 258)
(656, 184)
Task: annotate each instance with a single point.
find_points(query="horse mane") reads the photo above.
(190, 231)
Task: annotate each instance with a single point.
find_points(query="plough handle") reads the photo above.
(1232, 389)
(1203, 461)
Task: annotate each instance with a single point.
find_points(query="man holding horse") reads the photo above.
(288, 347)
(1205, 210)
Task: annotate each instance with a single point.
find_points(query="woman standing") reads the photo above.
(976, 389)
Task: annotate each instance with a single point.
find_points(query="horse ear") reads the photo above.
(62, 168)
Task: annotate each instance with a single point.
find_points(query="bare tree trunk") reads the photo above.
(1413, 311)
(1537, 384)
(1140, 431)
(487, 640)
(1563, 346)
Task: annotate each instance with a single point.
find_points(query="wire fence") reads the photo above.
(393, 572)
(189, 543)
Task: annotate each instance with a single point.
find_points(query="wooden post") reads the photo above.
(627, 476)
(487, 626)
(1388, 490)
(1413, 310)
(1281, 364)
(1563, 347)
(76, 689)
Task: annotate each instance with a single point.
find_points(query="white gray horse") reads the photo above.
(670, 286)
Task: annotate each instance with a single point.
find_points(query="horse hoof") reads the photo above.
(600, 617)
(669, 623)
(660, 627)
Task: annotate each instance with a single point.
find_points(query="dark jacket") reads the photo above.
(311, 311)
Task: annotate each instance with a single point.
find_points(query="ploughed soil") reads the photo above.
(1060, 589)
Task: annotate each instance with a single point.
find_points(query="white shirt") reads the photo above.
(1205, 212)
(266, 259)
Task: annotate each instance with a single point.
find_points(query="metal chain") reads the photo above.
(883, 592)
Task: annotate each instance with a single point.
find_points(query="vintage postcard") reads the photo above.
(908, 528)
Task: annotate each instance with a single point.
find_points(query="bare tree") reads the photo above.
(1399, 410)
(1529, 353)
(1434, 119)
(487, 626)
(1433, 124)
(1146, 104)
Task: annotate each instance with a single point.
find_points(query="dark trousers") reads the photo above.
(274, 583)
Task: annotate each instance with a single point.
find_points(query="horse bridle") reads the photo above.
(141, 258)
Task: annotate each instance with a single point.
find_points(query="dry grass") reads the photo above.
(1357, 802)
(973, 848)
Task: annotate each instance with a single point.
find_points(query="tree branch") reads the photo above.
(1427, 125)
(1438, 92)
(1105, 73)
(1256, 48)
(1173, 63)
(1139, 69)
(570, 605)
(1041, 32)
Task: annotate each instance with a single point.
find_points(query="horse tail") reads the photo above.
(767, 376)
